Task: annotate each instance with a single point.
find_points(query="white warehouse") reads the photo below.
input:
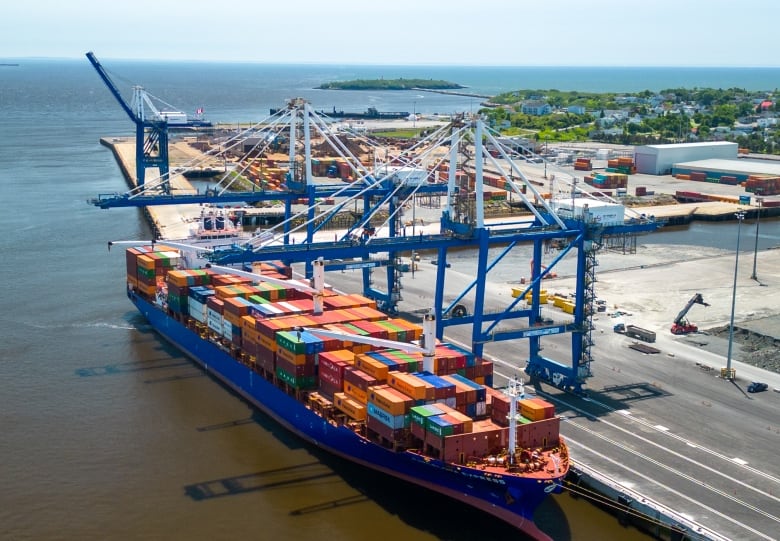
(658, 159)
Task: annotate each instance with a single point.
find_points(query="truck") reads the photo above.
(635, 332)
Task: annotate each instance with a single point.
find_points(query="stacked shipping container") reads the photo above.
(448, 411)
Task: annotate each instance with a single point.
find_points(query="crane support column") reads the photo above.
(479, 298)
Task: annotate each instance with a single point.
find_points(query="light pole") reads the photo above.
(729, 374)
(759, 200)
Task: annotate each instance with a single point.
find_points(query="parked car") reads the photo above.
(757, 387)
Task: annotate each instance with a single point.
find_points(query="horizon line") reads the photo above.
(381, 64)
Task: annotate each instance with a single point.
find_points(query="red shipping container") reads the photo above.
(328, 389)
(358, 378)
(418, 431)
(332, 371)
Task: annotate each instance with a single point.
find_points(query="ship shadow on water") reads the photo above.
(418, 507)
(299, 475)
(154, 354)
(133, 366)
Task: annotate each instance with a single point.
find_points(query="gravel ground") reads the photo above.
(755, 348)
(654, 284)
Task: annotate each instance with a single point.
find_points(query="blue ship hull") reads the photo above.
(508, 497)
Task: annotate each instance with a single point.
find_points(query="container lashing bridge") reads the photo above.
(375, 242)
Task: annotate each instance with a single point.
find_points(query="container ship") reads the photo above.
(377, 390)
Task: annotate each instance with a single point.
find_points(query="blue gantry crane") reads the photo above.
(579, 225)
(151, 134)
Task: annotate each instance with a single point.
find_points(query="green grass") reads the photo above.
(397, 134)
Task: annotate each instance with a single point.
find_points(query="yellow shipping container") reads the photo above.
(389, 399)
(145, 261)
(352, 408)
(268, 343)
(226, 292)
(532, 410)
(295, 358)
(568, 307)
(356, 393)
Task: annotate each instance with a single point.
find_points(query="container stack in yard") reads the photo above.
(623, 165)
(607, 181)
(583, 164)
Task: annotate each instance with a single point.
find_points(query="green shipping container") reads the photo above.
(290, 342)
(419, 414)
(438, 429)
(301, 382)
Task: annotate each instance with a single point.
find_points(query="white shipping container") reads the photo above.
(481, 408)
(227, 329)
(215, 321)
(198, 310)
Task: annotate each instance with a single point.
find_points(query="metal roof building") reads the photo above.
(739, 168)
(659, 159)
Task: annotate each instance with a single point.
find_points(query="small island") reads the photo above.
(391, 84)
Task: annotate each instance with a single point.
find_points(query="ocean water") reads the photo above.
(107, 432)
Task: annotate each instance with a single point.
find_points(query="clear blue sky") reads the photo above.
(460, 32)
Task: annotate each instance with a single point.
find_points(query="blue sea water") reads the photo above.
(103, 426)
(236, 92)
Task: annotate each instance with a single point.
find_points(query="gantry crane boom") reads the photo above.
(111, 86)
(151, 135)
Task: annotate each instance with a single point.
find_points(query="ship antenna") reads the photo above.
(515, 392)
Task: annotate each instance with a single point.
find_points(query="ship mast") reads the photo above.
(515, 392)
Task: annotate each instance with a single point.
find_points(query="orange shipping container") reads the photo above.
(531, 410)
(352, 408)
(355, 392)
(409, 385)
(389, 399)
(372, 367)
(549, 409)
